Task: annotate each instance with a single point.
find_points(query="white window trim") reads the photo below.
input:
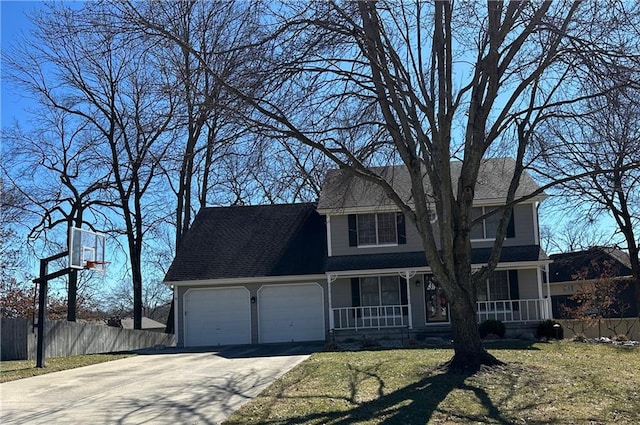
(488, 287)
(484, 225)
(380, 292)
(377, 244)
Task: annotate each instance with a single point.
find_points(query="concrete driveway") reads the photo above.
(167, 387)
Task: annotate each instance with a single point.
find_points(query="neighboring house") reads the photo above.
(352, 263)
(147, 324)
(577, 271)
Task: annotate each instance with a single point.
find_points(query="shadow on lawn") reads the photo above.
(414, 404)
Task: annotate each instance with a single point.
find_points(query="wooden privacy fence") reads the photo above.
(62, 339)
(630, 327)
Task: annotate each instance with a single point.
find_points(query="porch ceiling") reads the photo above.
(515, 254)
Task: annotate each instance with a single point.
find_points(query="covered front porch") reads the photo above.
(412, 299)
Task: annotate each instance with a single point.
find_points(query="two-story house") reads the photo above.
(351, 263)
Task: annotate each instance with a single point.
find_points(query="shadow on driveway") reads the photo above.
(245, 351)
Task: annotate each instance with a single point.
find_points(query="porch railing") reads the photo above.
(513, 310)
(370, 317)
(393, 316)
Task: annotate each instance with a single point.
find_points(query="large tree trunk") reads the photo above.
(469, 353)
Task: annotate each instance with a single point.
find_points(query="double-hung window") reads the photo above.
(379, 291)
(376, 229)
(502, 285)
(497, 287)
(487, 228)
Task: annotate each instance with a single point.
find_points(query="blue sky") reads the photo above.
(13, 104)
(14, 22)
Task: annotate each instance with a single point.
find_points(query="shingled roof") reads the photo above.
(252, 241)
(343, 190)
(591, 262)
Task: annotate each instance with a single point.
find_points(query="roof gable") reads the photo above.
(251, 241)
(343, 190)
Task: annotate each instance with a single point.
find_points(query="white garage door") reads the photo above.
(220, 316)
(291, 313)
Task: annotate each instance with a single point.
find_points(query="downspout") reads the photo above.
(176, 329)
(328, 221)
(536, 222)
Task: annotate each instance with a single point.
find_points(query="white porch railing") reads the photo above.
(394, 316)
(514, 310)
(370, 317)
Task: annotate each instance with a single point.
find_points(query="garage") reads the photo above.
(217, 316)
(292, 312)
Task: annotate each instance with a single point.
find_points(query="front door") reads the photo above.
(437, 310)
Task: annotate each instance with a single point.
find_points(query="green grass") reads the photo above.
(18, 369)
(544, 383)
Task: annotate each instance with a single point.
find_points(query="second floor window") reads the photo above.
(488, 227)
(377, 229)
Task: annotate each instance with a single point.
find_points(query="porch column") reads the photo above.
(544, 310)
(408, 276)
(549, 304)
(330, 279)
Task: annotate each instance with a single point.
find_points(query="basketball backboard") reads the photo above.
(86, 249)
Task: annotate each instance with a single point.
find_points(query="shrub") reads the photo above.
(620, 338)
(580, 338)
(370, 343)
(412, 343)
(114, 322)
(492, 327)
(548, 330)
(331, 346)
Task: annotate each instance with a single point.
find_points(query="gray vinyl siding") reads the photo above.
(524, 228)
(341, 293)
(528, 284)
(523, 216)
(340, 239)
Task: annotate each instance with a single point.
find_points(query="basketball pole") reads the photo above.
(43, 281)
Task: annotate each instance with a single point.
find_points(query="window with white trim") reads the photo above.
(496, 287)
(377, 229)
(487, 228)
(382, 290)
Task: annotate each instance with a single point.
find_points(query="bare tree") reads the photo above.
(376, 82)
(206, 115)
(108, 81)
(607, 137)
(575, 234)
(597, 299)
(66, 185)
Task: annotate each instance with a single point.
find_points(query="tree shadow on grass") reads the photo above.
(413, 404)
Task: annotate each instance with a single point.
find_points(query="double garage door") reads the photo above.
(222, 316)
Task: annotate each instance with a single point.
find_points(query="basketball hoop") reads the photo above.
(98, 266)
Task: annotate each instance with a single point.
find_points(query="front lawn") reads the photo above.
(18, 369)
(545, 383)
